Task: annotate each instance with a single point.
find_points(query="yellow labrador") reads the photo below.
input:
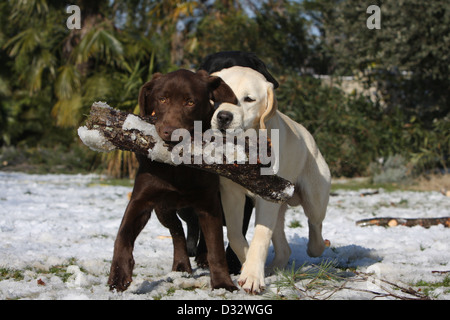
(300, 162)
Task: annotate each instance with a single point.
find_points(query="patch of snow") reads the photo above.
(95, 140)
(159, 152)
(101, 104)
(134, 122)
(58, 232)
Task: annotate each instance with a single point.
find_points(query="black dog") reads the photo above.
(227, 59)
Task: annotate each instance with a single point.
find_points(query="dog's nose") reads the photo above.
(167, 133)
(224, 118)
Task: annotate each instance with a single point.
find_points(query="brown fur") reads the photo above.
(177, 99)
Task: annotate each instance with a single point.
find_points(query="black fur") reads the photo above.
(227, 59)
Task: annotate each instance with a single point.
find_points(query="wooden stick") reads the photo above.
(108, 129)
(392, 222)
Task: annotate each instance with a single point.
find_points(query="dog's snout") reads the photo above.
(224, 118)
(166, 132)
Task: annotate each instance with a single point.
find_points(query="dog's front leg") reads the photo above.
(280, 244)
(252, 275)
(134, 220)
(211, 224)
(233, 203)
(169, 219)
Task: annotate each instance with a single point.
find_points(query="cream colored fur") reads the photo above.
(300, 162)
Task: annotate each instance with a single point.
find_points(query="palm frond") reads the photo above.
(121, 163)
(27, 8)
(24, 42)
(133, 81)
(67, 82)
(41, 63)
(136, 47)
(5, 89)
(98, 86)
(67, 111)
(99, 43)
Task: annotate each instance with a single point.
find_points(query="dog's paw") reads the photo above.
(227, 285)
(182, 266)
(202, 260)
(120, 275)
(119, 281)
(252, 283)
(221, 279)
(316, 249)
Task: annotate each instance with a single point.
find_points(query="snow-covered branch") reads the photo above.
(108, 129)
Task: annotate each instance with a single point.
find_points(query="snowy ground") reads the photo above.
(57, 234)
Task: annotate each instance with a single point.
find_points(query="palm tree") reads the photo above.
(63, 71)
(165, 16)
(55, 73)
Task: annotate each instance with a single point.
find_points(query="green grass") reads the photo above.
(323, 281)
(7, 273)
(308, 281)
(357, 184)
(295, 224)
(61, 272)
(57, 270)
(428, 287)
(124, 182)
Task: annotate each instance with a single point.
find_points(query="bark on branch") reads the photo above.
(108, 129)
(393, 222)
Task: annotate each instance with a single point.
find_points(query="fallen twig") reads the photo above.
(440, 272)
(323, 282)
(393, 222)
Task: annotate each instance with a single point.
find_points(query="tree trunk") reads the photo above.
(108, 129)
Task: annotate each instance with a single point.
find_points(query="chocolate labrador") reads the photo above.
(177, 99)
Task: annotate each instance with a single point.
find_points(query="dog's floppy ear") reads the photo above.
(271, 107)
(145, 107)
(219, 90)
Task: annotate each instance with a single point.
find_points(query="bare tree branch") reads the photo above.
(108, 129)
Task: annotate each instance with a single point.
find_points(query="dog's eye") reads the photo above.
(248, 99)
(190, 103)
(162, 100)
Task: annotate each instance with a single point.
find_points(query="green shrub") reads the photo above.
(75, 158)
(352, 132)
(344, 127)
